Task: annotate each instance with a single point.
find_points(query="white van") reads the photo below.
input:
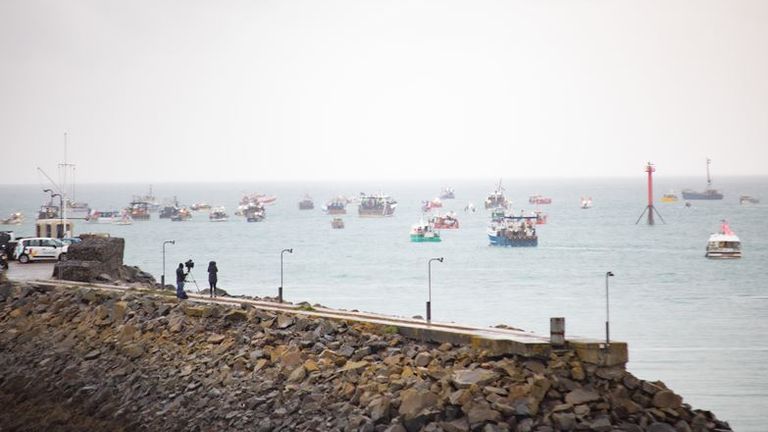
(40, 248)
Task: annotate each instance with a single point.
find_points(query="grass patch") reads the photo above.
(390, 330)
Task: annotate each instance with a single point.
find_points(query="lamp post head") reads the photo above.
(607, 274)
(47, 190)
(441, 259)
(290, 250)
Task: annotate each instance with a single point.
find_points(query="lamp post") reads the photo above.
(429, 298)
(162, 278)
(607, 314)
(61, 211)
(280, 289)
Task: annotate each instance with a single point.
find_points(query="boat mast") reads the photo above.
(65, 200)
(709, 181)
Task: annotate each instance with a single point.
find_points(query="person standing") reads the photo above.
(180, 277)
(213, 277)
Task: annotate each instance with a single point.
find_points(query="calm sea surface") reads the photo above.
(699, 325)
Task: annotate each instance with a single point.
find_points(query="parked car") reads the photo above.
(40, 248)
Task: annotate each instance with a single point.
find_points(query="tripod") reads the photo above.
(194, 281)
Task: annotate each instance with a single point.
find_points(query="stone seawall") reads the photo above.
(83, 359)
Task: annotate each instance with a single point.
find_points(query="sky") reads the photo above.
(190, 90)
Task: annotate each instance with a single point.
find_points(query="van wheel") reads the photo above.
(24, 258)
(62, 256)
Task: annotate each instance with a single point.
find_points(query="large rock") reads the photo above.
(580, 396)
(415, 400)
(464, 378)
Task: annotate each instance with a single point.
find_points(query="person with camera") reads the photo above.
(213, 277)
(180, 278)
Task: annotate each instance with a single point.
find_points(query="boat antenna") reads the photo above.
(650, 209)
(709, 181)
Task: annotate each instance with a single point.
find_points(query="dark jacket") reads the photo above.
(180, 275)
(213, 272)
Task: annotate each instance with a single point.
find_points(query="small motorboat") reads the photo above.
(218, 214)
(724, 244)
(14, 219)
(541, 217)
(669, 197)
(337, 223)
(746, 199)
(110, 216)
(424, 232)
(585, 202)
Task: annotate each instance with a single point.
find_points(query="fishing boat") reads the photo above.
(336, 206)
(255, 212)
(100, 217)
(218, 214)
(447, 193)
(708, 194)
(150, 200)
(539, 199)
(184, 214)
(541, 217)
(669, 197)
(378, 205)
(585, 202)
(125, 219)
(13, 219)
(139, 210)
(448, 221)
(470, 208)
(337, 223)
(746, 199)
(496, 198)
(514, 231)
(306, 203)
(424, 232)
(724, 244)
(200, 206)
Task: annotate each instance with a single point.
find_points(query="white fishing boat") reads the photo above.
(585, 202)
(125, 219)
(218, 214)
(724, 244)
(14, 219)
(103, 217)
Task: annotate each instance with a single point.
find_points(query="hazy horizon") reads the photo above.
(341, 90)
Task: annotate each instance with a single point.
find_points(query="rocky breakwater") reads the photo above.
(97, 360)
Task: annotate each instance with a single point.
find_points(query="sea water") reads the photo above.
(698, 325)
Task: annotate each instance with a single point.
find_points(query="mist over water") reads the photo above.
(698, 325)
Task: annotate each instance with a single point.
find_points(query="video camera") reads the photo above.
(189, 264)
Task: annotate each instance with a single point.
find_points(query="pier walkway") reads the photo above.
(497, 341)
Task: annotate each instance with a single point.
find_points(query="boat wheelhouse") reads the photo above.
(379, 205)
(724, 244)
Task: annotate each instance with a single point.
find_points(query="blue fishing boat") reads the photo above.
(514, 231)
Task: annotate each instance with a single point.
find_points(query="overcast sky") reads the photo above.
(155, 90)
